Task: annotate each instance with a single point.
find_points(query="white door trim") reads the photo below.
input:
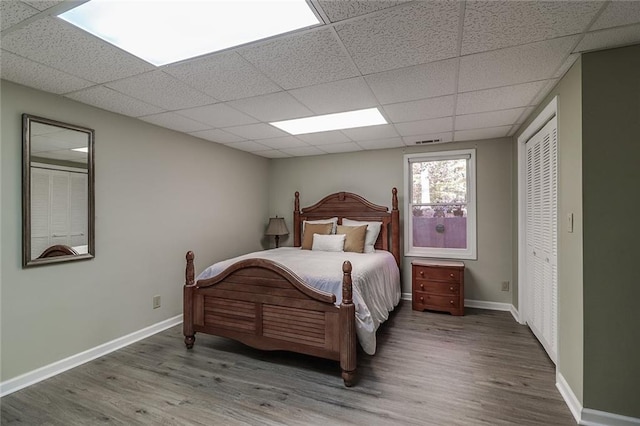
(545, 115)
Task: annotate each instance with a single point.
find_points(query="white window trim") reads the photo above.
(470, 252)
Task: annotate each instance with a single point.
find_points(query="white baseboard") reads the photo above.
(405, 296)
(42, 373)
(602, 418)
(482, 304)
(515, 314)
(569, 397)
(587, 416)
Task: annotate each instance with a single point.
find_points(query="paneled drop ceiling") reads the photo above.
(448, 70)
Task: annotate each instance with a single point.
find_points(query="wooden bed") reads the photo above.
(266, 306)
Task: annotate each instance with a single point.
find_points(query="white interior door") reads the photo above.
(541, 266)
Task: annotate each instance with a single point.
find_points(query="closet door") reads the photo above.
(542, 237)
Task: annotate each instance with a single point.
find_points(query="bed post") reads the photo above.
(189, 284)
(347, 328)
(296, 221)
(395, 226)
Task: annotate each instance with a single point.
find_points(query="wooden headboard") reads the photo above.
(352, 206)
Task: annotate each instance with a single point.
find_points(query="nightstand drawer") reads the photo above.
(437, 274)
(436, 301)
(436, 287)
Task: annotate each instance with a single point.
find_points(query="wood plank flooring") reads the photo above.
(430, 369)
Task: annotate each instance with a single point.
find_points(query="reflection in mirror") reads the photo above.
(57, 191)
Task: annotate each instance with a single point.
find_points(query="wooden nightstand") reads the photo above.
(438, 285)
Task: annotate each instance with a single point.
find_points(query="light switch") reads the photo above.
(570, 222)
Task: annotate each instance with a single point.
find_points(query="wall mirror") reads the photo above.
(57, 192)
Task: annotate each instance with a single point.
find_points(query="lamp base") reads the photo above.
(277, 241)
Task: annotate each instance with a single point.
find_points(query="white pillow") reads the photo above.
(328, 242)
(333, 220)
(373, 229)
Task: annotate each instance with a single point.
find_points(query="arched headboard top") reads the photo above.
(353, 206)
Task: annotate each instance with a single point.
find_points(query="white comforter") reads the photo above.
(375, 277)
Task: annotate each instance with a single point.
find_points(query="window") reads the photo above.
(440, 204)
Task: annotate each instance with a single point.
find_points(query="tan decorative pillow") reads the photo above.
(314, 228)
(355, 237)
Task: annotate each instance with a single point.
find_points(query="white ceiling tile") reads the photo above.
(336, 96)
(338, 10)
(371, 132)
(217, 115)
(439, 137)
(544, 91)
(163, 90)
(341, 147)
(324, 138)
(490, 25)
(525, 114)
(55, 43)
(499, 98)
(105, 98)
(283, 142)
(437, 125)
(301, 60)
(480, 134)
(566, 65)
(274, 153)
(225, 76)
(488, 119)
(618, 13)
(272, 107)
(43, 4)
(23, 71)
(418, 82)
(417, 34)
(256, 131)
(249, 146)
(174, 121)
(303, 152)
(420, 110)
(382, 143)
(520, 64)
(13, 12)
(218, 135)
(610, 38)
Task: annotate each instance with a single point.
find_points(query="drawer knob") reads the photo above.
(451, 275)
(451, 288)
(451, 302)
(422, 286)
(422, 273)
(421, 299)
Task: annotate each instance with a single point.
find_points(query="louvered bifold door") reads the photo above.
(542, 237)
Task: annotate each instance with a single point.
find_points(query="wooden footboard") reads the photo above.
(266, 306)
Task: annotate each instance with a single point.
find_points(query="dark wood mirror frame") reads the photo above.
(55, 252)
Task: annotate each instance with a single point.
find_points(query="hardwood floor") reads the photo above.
(430, 369)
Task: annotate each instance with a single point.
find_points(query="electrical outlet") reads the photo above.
(505, 285)
(156, 302)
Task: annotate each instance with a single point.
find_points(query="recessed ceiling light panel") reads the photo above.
(166, 31)
(338, 121)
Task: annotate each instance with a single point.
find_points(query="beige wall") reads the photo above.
(372, 174)
(611, 179)
(158, 194)
(570, 307)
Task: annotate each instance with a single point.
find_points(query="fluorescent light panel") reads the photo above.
(166, 31)
(338, 121)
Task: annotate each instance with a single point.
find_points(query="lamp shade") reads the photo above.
(277, 226)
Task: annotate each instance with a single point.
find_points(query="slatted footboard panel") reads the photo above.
(265, 310)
